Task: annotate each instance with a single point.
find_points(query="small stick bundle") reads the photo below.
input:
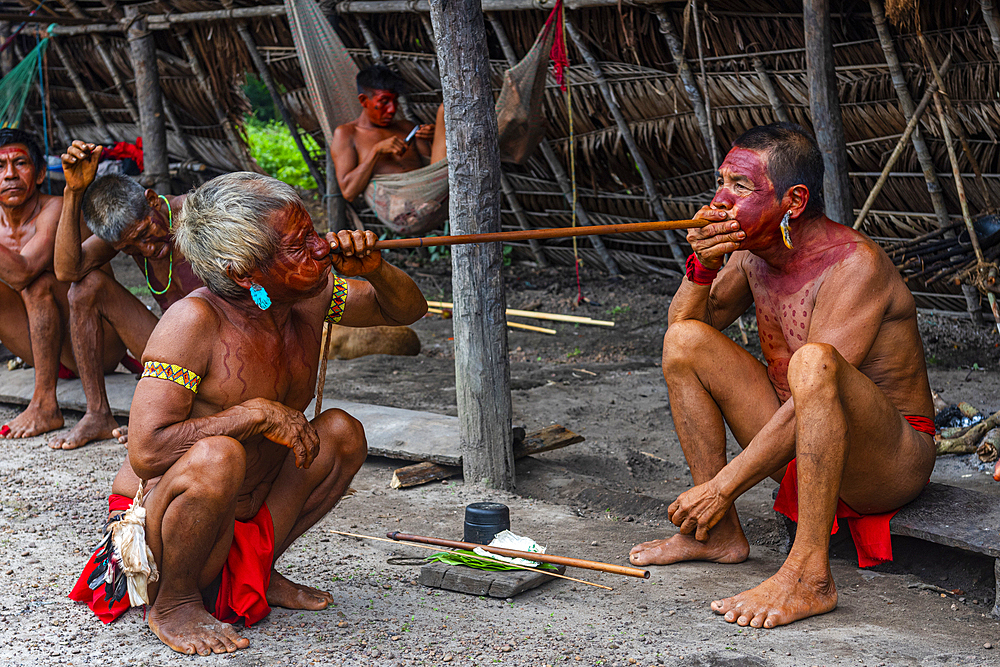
(969, 440)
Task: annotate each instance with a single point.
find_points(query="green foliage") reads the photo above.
(272, 146)
(619, 310)
(260, 99)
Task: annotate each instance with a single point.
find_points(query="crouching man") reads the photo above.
(840, 415)
(233, 471)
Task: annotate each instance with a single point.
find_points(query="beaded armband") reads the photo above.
(172, 372)
(338, 301)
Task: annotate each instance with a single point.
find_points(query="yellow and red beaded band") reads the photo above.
(338, 301)
(172, 372)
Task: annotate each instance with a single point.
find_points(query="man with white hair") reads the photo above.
(232, 470)
(106, 319)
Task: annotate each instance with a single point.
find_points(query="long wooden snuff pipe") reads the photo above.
(546, 233)
(527, 555)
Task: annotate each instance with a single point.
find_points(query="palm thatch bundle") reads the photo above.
(637, 62)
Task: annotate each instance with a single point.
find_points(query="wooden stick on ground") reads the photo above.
(537, 315)
(547, 233)
(483, 558)
(513, 325)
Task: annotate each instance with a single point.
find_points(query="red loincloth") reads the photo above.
(245, 576)
(870, 531)
(67, 374)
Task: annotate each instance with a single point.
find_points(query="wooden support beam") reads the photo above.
(279, 104)
(522, 220)
(553, 161)
(652, 193)
(142, 49)
(336, 213)
(992, 23)
(400, 6)
(239, 151)
(482, 364)
(824, 107)
(907, 106)
(690, 85)
(771, 91)
(82, 92)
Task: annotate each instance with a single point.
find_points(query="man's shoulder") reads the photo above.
(193, 314)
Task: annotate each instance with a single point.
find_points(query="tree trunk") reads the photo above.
(825, 109)
(142, 49)
(482, 368)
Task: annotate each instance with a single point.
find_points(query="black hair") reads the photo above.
(112, 203)
(380, 77)
(12, 135)
(792, 158)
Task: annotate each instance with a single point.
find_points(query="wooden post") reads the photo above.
(142, 49)
(82, 92)
(772, 93)
(336, 213)
(690, 85)
(554, 164)
(7, 57)
(990, 16)
(907, 106)
(652, 194)
(279, 104)
(824, 107)
(482, 366)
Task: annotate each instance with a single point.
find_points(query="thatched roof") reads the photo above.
(643, 77)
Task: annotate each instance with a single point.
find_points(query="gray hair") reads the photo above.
(112, 203)
(224, 227)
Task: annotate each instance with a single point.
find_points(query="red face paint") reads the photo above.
(380, 107)
(18, 175)
(302, 262)
(746, 192)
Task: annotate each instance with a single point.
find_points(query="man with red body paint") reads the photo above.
(375, 142)
(32, 301)
(835, 407)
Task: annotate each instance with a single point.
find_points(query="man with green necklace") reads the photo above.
(106, 319)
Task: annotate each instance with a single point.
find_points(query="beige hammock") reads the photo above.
(416, 202)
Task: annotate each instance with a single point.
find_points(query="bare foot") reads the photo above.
(187, 628)
(283, 593)
(121, 433)
(726, 544)
(93, 426)
(34, 420)
(794, 592)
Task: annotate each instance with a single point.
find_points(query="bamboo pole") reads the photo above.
(537, 315)
(611, 568)
(553, 161)
(529, 327)
(652, 194)
(769, 89)
(960, 129)
(545, 233)
(966, 216)
(907, 107)
(992, 23)
(886, 171)
(206, 88)
(324, 355)
(82, 92)
(706, 97)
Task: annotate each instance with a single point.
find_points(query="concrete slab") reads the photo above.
(409, 435)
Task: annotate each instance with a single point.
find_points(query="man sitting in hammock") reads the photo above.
(106, 319)
(32, 300)
(375, 144)
(233, 471)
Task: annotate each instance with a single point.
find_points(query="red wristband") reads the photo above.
(697, 273)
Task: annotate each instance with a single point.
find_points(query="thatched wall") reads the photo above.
(638, 63)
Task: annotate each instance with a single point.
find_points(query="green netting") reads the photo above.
(14, 87)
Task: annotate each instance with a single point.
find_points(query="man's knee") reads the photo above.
(684, 343)
(813, 367)
(215, 466)
(347, 436)
(84, 293)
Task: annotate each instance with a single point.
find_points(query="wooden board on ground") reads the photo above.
(17, 386)
(504, 584)
(547, 439)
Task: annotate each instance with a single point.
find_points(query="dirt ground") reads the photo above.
(592, 500)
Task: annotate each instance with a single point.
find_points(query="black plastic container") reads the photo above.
(484, 520)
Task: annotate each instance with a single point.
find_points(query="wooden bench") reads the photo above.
(955, 517)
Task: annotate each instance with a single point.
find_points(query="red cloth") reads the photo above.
(123, 150)
(870, 531)
(920, 424)
(697, 273)
(558, 53)
(66, 374)
(128, 362)
(245, 575)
